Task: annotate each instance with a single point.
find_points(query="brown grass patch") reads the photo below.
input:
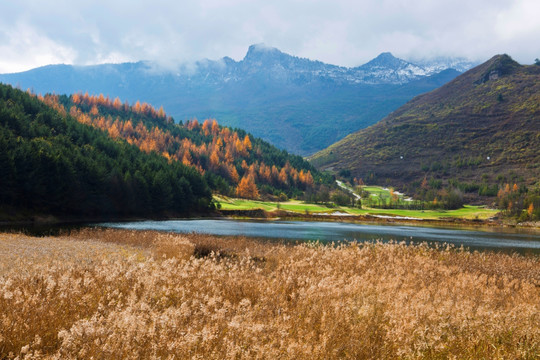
(127, 294)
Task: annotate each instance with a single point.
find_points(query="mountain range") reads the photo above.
(298, 104)
(482, 128)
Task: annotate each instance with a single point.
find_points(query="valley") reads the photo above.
(300, 209)
(297, 104)
(234, 163)
(361, 182)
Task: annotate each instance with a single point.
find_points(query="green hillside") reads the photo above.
(476, 133)
(233, 162)
(53, 165)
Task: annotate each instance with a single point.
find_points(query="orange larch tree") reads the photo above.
(214, 160)
(227, 153)
(215, 127)
(283, 178)
(117, 104)
(247, 188)
(206, 127)
(247, 143)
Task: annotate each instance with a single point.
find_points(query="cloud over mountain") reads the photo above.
(343, 32)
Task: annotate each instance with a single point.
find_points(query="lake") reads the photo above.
(521, 240)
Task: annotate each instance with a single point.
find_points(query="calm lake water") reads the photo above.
(496, 239)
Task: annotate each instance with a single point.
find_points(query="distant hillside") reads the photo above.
(232, 161)
(52, 165)
(296, 104)
(481, 129)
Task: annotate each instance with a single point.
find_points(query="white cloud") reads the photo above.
(343, 32)
(25, 48)
(522, 19)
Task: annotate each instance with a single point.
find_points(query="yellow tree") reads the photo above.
(239, 147)
(247, 188)
(186, 159)
(228, 156)
(193, 124)
(76, 98)
(225, 134)
(215, 127)
(214, 160)
(137, 107)
(244, 165)
(219, 143)
(114, 130)
(206, 127)
(117, 104)
(283, 178)
(393, 195)
(233, 174)
(265, 173)
(308, 179)
(128, 128)
(101, 100)
(247, 143)
(161, 112)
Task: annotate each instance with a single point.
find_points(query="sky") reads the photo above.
(342, 32)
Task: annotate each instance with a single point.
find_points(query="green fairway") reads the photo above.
(376, 190)
(467, 212)
(291, 205)
(378, 195)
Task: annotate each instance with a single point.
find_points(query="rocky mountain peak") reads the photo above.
(262, 52)
(497, 66)
(386, 60)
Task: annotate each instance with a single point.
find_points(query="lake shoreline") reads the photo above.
(40, 220)
(260, 214)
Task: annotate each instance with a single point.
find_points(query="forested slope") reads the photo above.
(52, 164)
(232, 161)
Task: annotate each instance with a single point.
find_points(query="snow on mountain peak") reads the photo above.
(263, 61)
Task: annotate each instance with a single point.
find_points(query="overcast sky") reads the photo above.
(342, 32)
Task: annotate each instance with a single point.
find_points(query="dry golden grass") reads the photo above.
(117, 294)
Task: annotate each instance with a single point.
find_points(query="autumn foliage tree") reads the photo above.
(247, 188)
(519, 202)
(222, 155)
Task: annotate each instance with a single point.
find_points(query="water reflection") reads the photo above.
(339, 231)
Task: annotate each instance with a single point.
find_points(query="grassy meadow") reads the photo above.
(120, 294)
(467, 212)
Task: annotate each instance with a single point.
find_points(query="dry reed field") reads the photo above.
(117, 294)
